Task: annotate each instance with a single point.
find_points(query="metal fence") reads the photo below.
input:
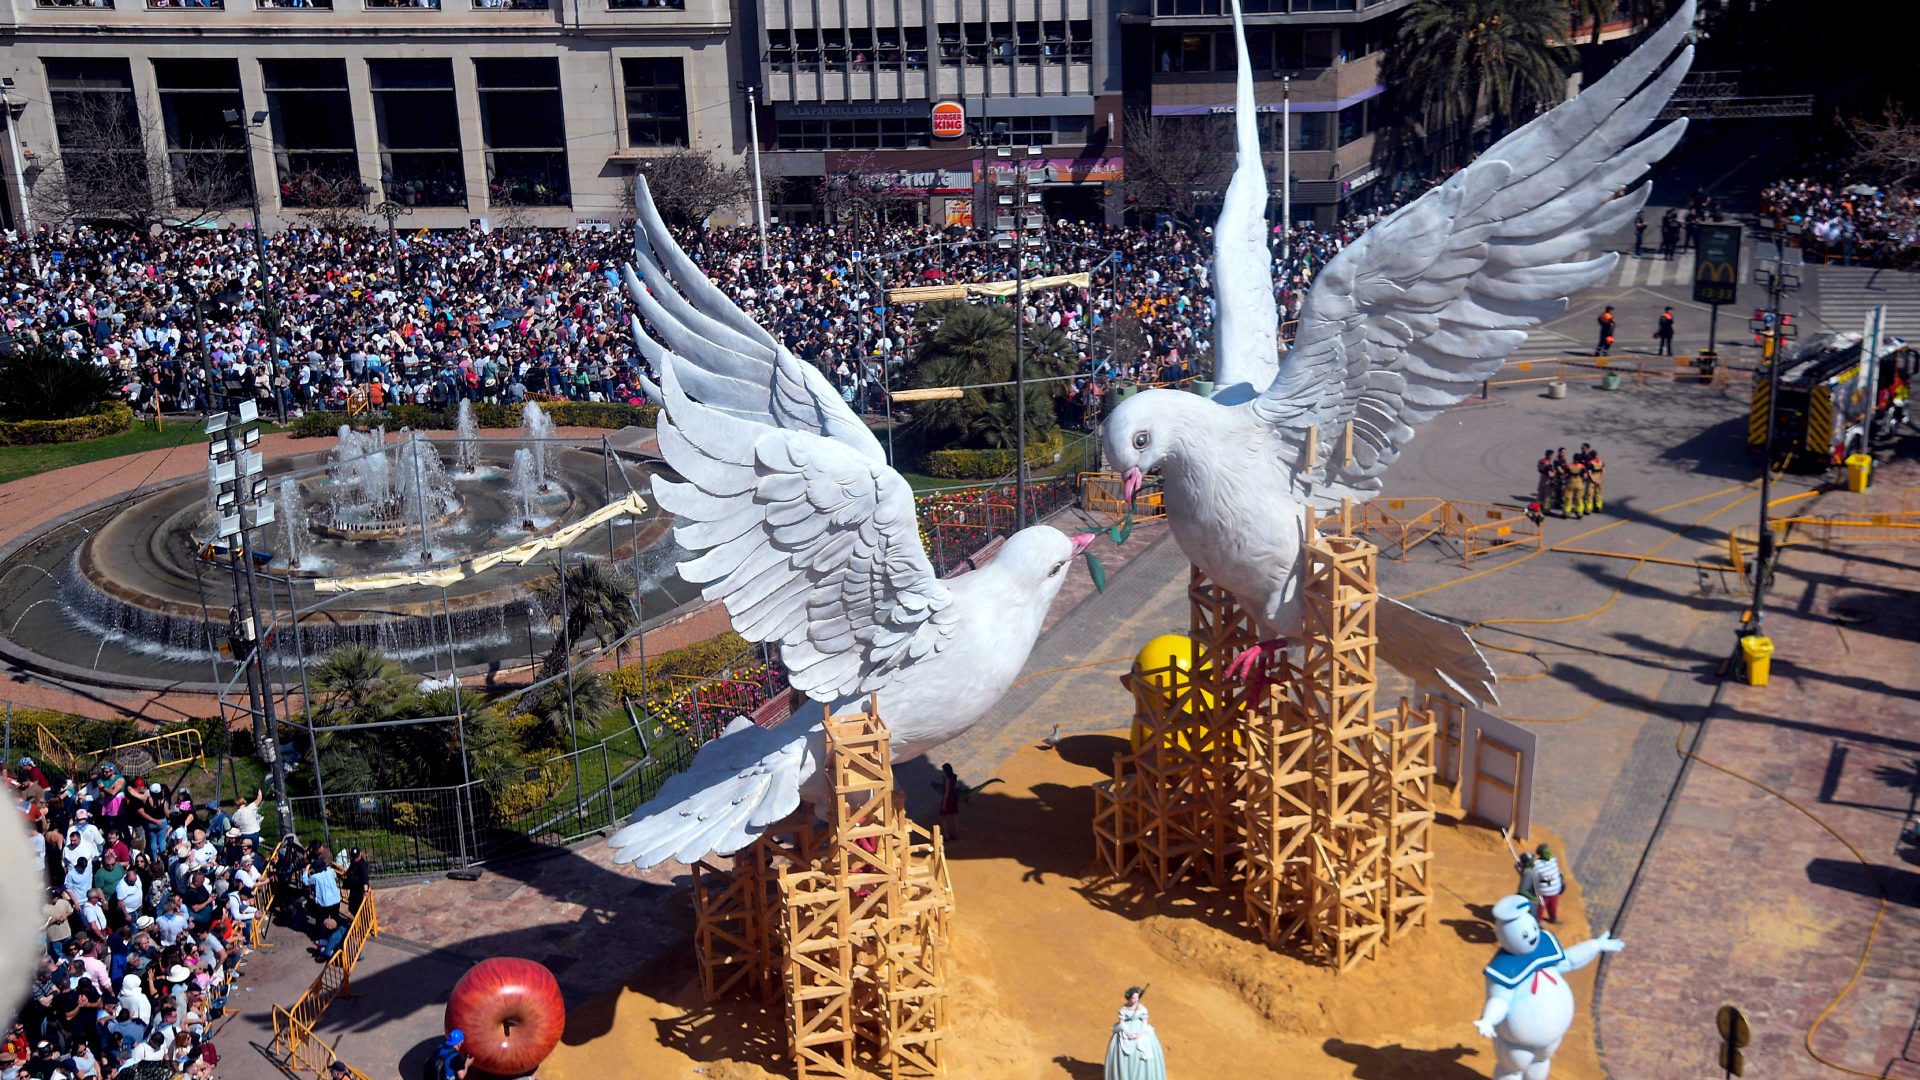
(425, 830)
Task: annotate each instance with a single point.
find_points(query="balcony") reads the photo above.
(401, 5)
(169, 5)
(642, 5)
(276, 5)
(511, 5)
(73, 3)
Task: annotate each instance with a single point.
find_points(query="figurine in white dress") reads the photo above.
(1529, 1005)
(1133, 1053)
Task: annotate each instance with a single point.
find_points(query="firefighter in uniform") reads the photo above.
(1596, 483)
(1605, 344)
(1562, 473)
(1576, 501)
(1545, 492)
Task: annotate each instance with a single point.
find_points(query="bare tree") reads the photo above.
(862, 193)
(111, 167)
(327, 201)
(1887, 148)
(690, 186)
(1174, 164)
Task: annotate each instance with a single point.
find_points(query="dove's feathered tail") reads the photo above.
(740, 783)
(1433, 652)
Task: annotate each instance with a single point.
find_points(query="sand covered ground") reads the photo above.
(1044, 951)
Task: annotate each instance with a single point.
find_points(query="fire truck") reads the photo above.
(1823, 409)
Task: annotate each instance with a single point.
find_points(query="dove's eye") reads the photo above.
(1141, 439)
(1057, 567)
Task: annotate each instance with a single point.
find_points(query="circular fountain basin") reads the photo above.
(122, 595)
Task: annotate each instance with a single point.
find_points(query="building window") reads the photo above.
(525, 129)
(1310, 130)
(656, 101)
(312, 127)
(419, 124)
(855, 133)
(312, 5)
(97, 122)
(402, 4)
(1355, 121)
(204, 152)
(1046, 130)
(638, 5)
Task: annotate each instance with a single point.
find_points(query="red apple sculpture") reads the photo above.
(511, 1012)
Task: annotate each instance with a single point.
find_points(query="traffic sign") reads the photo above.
(1716, 265)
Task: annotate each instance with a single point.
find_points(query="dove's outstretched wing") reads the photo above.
(740, 783)
(1246, 320)
(729, 362)
(1425, 305)
(811, 544)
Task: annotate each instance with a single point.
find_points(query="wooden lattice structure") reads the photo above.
(849, 924)
(1297, 790)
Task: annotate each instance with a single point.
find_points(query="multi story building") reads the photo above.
(1180, 63)
(533, 110)
(851, 90)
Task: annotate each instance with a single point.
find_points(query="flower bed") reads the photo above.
(112, 419)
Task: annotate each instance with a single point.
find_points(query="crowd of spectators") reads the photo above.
(150, 904)
(1845, 220)
(433, 317)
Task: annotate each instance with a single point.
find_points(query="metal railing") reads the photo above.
(265, 900)
(168, 748)
(1100, 494)
(294, 1041)
(1397, 526)
(1827, 531)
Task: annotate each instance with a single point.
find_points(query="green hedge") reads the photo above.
(703, 658)
(113, 419)
(990, 464)
(593, 414)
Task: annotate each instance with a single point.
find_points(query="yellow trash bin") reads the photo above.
(1859, 472)
(1757, 651)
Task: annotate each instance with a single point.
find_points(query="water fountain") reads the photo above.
(466, 451)
(292, 514)
(132, 586)
(526, 484)
(539, 429)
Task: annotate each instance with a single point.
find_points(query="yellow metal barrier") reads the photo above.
(293, 1036)
(1827, 531)
(1398, 525)
(264, 901)
(306, 1051)
(169, 748)
(1100, 494)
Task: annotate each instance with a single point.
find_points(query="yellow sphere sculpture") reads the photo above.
(1150, 667)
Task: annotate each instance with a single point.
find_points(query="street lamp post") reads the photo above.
(1013, 232)
(268, 312)
(759, 189)
(19, 167)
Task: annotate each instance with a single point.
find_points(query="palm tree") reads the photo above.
(969, 344)
(359, 684)
(594, 600)
(1461, 59)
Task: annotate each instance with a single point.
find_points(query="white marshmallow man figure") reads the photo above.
(1529, 1005)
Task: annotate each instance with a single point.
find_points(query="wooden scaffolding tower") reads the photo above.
(1297, 790)
(850, 924)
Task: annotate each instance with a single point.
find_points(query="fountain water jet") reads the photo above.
(466, 453)
(525, 484)
(293, 522)
(538, 429)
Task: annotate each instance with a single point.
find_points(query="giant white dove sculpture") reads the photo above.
(809, 538)
(1398, 326)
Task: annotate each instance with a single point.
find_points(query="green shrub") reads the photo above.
(43, 383)
(989, 464)
(113, 419)
(593, 414)
(701, 659)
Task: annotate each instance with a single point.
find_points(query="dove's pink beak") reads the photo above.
(1130, 482)
(1082, 542)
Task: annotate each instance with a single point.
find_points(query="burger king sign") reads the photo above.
(949, 120)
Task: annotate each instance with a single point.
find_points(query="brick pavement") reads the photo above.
(1745, 900)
